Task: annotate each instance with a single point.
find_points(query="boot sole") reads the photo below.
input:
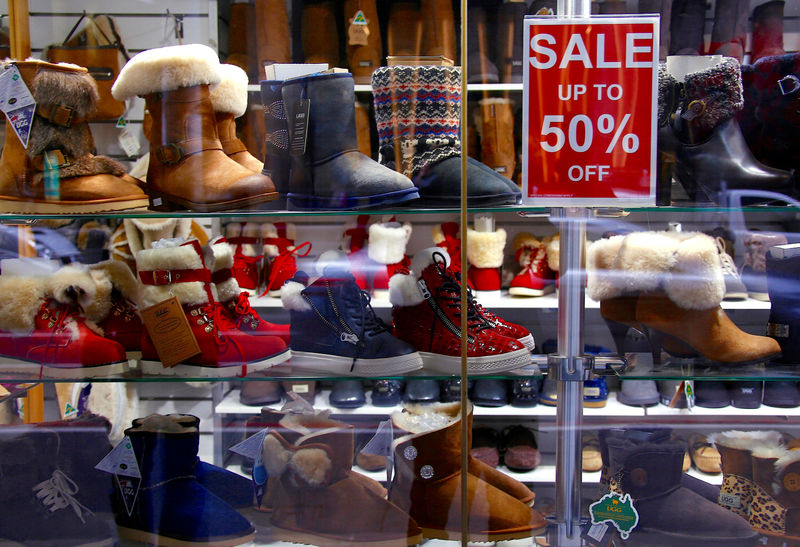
(301, 202)
(164, 202)
(152, 538)
(157, 368)
(343, 366)
(652, 538)
(476, 365)
(307, 538)
(528, 342)
(41, 207)
(30, 368)
(107, 542)
(525, 291)
(432, 533)
(472, 201)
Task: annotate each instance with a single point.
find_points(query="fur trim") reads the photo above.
(141, 233)
(246, 229)
(291, 297)
(553, 255)
(22, 297)
(524, 239)
(696, 281)
(403, 291)
(601, 282)
(74, 88)
(158, 423)
(223, 259)
(274, 456)
(167, 69)
(268, 230)
(768, 452)
(786, 459)
(422, 418)
(98, 308)
(310, 464)
(437, 235)
(746, 440)
(170, 258)
(230, 95)
(485, 249)
(71, 284)
(424, 258)
(121, 276)
(335, 260)
(387, 242)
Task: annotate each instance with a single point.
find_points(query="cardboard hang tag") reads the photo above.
(17, 103)
(121, 462)
(170, 332)
(358, 31)
(298, 127)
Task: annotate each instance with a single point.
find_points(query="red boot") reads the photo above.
(247, 260)
(236, 301)
(43, 331)
(536, 277)
(354, 243)
(387, 253)
(485, 256)
(114, 308)
(446, 236)
(281, 252)
(426, 311)
(224, 349)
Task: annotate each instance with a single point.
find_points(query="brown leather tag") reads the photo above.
(170, 332)
(358, 31)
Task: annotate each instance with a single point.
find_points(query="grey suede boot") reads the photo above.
(327, 170)
(686, 27)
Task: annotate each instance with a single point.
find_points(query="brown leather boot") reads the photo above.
(427, 482)
(320, 33)
(497, 135)
(363, 59)
(363, 125)
(272, 34)
(229, 100)
(438, 28)
(65, 97)
(242, 38)
(509, 41)
(404, 33)
(188, 166)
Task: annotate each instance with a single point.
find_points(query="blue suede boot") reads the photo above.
(171, 505)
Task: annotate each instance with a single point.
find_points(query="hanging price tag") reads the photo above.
(121, 462)
(17, 103)
(358, 31)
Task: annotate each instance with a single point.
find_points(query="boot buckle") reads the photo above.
(170, 153)
(162, 277)
(789, 84)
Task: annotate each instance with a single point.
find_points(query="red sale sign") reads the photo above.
(589, 111)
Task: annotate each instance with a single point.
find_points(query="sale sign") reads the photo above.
(589, 109)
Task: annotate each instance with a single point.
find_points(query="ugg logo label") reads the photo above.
(426, 472)
(792, 482)
(410, 453)
(729, 500)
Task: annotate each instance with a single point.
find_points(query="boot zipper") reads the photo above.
(426, 294)
(349, 336)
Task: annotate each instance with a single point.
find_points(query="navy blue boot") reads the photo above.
(783, 283)
(334, 329)
(171, 504)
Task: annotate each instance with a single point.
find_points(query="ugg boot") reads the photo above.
(242, 38)
(188, 167)
(235, 301)
(280, 254)
(363, 58)
(113, 308)
(754, 267)
(664, 9)
(334, 329)
(509, 42)
(438, 28)
(314, 495)
(65, 97)
(496, 128)
(729, 33)
(776, 504)
(485, 256)
(536, 277)
(354, 244)
(320, 33)
(783, 273)
(710, 153)
(687, 24)
(181, 271)
(135, 234)
(330, 172)
(447, 235)
(386, 250)
(50, 489)
(276, 157)
(767, 30)
(735, 450)
(273, 41)
(427, 482)
(363, 124)
(426, 313)
(247, 257)
(418, 109)
(670, 514)
(675, 279)
(229, 100)
(171, 506)
(480, 68)
(44, 330)
(404, 32)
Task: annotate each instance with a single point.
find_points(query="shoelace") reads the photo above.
(285, 261)
(221, 323)
(450, 292)
(57, 493)
(243, 307)
(728, 267)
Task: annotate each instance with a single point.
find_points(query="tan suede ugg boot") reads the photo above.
(65, 97)
(229, 99)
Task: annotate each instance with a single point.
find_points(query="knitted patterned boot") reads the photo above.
(418, 109)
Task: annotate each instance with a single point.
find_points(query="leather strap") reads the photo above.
(221, 276)
(233, 147)
(174, 152)
(59, 114)
(168, 277)
(38, 161)
(243, 240)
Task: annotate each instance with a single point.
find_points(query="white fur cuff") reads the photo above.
(403, 291)
(291, 297)
(425, 258)
(387, 242)
(485, 249)
(230, 96)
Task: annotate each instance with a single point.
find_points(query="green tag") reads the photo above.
(359, 19)
(688, 389)
(616, 509)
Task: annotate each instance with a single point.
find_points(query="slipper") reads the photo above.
(591, 457)
(704, 454)
(484, 445)
(520, 451)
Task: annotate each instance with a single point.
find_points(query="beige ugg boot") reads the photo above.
(485, 257)
(386, 249)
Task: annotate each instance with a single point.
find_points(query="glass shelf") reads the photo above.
(641, 367)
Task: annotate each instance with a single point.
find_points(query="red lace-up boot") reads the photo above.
(354, 243)
(43, 330)
(279, 248)
(113, 308)
(426, 311)
(247, 261)
(224, 349)
(485, 256)
(387, 253)
(236, 301)
(536, 277)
